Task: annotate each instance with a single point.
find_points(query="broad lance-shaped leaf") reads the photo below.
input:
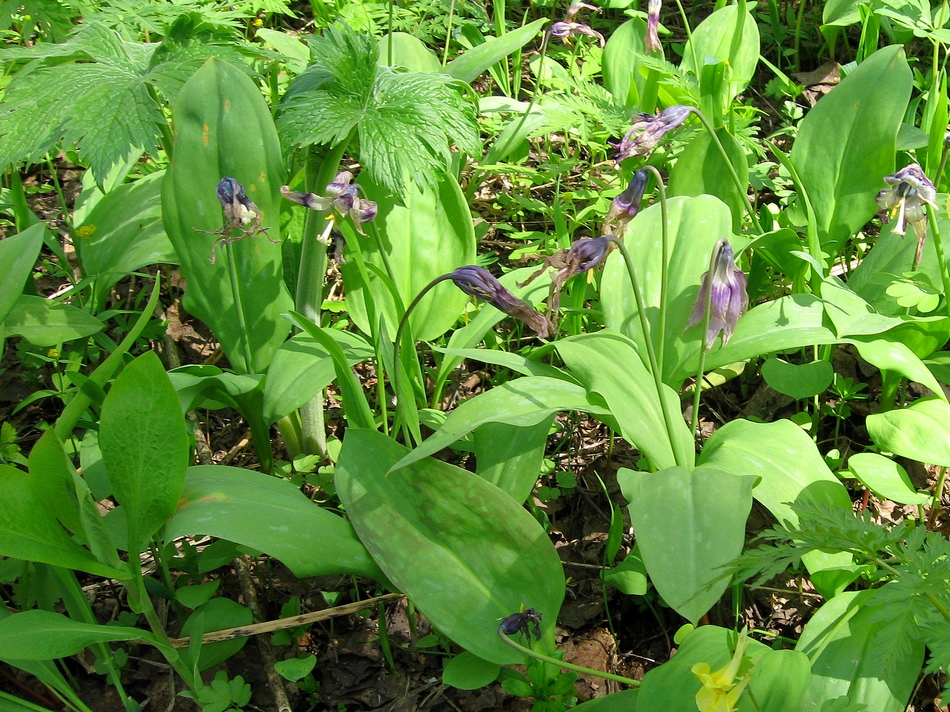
(17, 256)
(523, 401)
(223, 128)
(846, 144)
(921, 431)
(271, 515)
(44, 635)
(709, 508)
(465, 552)
(144, 447)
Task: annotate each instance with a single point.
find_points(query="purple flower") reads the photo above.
(478, 282)
(651, 43)
(725, 287)
(569, 28)
(647, 130)
(906, 200)
(342, 195)
(242, 218)
(625, 206)
(522, 623)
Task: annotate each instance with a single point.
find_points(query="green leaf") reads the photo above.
(477, 60)
(467, 671)
(523, 401)
(718, 39)
(695, 223)
(463, 550)
(270, 515)
(216, 614)
(44, 635)
(846, 145)
(144, 447)
(294, 669)
(629, 576)
(301, 368)
(921, 431)
(701, 169)
(29, 530)
(104, 105)
(405, 121)
(896, 357)
(223, 127)
(791, 470)
(885, 478)
(710, 508)
(46, 323)
(424, 234)
(623, 701)
(127, 233)
(17, 256)
(510, 456)
(630, 394)
(408, 52)
(842, 642)
(798, 380)
(197, 595)
(622, 61)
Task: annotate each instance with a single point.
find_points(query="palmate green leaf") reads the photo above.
(95, 91)
(405, 121)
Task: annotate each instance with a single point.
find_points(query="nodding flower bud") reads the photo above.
(625, 206)
(478, 282)
(569, 28)
(647, 130)
(725, 288)
(522, 623)
(651, 43)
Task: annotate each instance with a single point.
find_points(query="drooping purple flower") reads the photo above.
(651, 43)
(242, 218)
(569, 28)
(342, 195)
(725, 287)
(522, 623)
(906, 201)
(478, 282)
(625, 206)
(647, 130)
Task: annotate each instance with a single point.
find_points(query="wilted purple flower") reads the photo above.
(342, 195)
(522, 623)
(647, 130)
(911, 191)
(569, 28)
(478, 282)
(727, 285)
(625, 206)
(651, 43)
(240, 214)
(582, 256)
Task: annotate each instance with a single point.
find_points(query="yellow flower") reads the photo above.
(53, 353)
(258, 22)
(721, 691)
(86, 231)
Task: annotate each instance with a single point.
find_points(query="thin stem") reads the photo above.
(689, 39)
(941, 258)
(239, 308)
(938, 497)
(566, 665)
(664, 265)
(798, 34)
(647, 337)
(743, 192)
(448, 33)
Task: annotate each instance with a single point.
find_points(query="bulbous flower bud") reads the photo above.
(647, 130)
(724, 286)
(478, 282)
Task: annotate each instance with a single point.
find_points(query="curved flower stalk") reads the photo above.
(911, 191)
(569, 28)
(342, 196)
(582, 256)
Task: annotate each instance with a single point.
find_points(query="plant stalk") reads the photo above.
(664, 265)
(701, 372)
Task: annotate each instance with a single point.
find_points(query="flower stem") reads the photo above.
(941, 258)
(566, 665)
(743, 192)
(664, 265)
(651, 352)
